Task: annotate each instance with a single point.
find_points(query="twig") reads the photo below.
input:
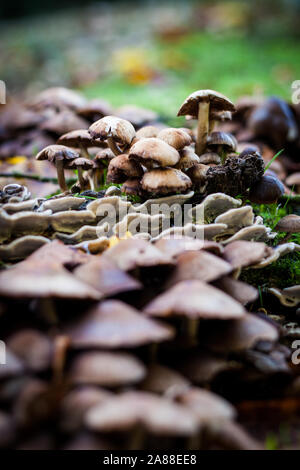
(42, 179)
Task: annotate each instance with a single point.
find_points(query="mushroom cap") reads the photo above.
(81, 162)
(120, 168)
(57, 152)
(157, 415)
(59, 96)
(165, 181)
(267, 190)
(220, 116)
(153, 151)
(177, 138)
(199, 265)
(243, 253)
(132, 186)
(95, 109)
(104, 154)
(197, 173)
(113, 324)
(63, 122)
(238, 335)
(147, 131)
(103, 275)
(289, 223)
(194, 299)
(110, 126)
(108, 369)
(32, 347)
(217, 101)
(222, 138)
(240, 291)
(132, 253)
(78, 138)
(293, 179)
(210, 157)
(174, 246)
(188, 158)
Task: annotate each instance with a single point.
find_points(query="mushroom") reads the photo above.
(152, 152)
(177, 138)
(240, 291)
(267, 190)
(146, 131)
(164, 381)
(188, 159)
(137, 116)
(58, 97)
(120, 168)
(165, 181)
(222, 144)
(289, 224)
(210, 158)
(81, 164)
(63, 122)
(106, 369)
(197, 174)
(95, 110)
(113, 325)
(115, 131)
(132, 187)
(294, 181)
(173, 246)
(33, 348)
(60, 155)
(244, 253)
(201, 103)
(79, 139)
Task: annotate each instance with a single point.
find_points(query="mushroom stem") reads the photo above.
(84, 151)
(61, 175)
(81, 179)
(202, 128)
(113, 146)
(61, 346)
(97, 176)
(212, 125)
(47, 309)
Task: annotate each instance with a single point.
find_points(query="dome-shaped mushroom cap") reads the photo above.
(57, 152)
(267, 190)
(222, 138)
(81, 162)
(289, 223)
(194, 299)
(59, 96)
(110, 126)
(188, 158)
(197, 173)
(217, 102)
(151, 151)
(210, 157)
(77, 138)
(177, 138)
(165, 181)
(106, 369)
(113, 324)
(120, 168)
(147, 131)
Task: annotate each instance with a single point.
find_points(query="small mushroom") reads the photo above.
(188, 159)
(294, 181)
(132, 187)
(210, 158)
(289, 224)
(165, 181)
(201, 103)
(115, 130)
(266, 191)
(120, 168)
(81, 164)
(222, 144)
(60, 156)
(95, 110)
(197, 174)
(177, 138)
(152, 152)
(58, 97)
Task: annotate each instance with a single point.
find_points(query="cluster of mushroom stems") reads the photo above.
(151, 160)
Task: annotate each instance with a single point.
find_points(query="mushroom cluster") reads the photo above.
(136, 348)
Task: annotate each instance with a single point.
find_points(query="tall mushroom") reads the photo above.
(60, 155)
(115, 131)
(201, 103)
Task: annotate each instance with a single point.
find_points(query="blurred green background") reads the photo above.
(152, 53)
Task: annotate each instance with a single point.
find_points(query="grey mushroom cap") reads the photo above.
(165, 181)
(120, 130)
(223, 139)
(217, 102)
(154, 152)
(57, 152)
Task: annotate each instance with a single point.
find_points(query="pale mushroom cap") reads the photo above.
(293, 179)
(147, 131)
(165, 180)
(151, 151)
(77, 138)
(188, 158)
(217, 102)
(113, 324)
(106, 369)
(210, 157)
(221, 138)
(177, 138)
(242, 253)
(57, 152)
(194, 299)
(289, 223)
(81, 162)
(110, 126)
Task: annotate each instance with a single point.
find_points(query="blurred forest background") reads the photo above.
(151, 53)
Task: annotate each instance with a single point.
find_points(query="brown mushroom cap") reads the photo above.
(136, 115)
(153, 151)
(177, 138)
(216, 139)
(267, 190)
(83, 163)
(165, 181)
(194, 299)
(197, 173)
(156, 414)
(102, 274)
(147, 131)
(120, 168)
(32, 347)
(114, 324)
(107, 369)
(289, 224)
(79, 138)
(132, 186)
(188, 158)
(57, 152)
(199, 265)
(243, 253)
(218, 102)
(110, 126)
(210, 157)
